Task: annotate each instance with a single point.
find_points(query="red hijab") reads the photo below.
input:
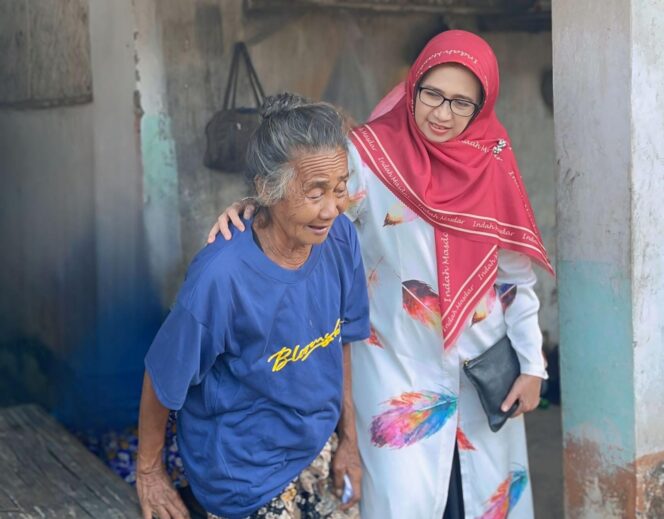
(469, 188)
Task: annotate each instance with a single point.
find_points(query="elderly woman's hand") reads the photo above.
(346, 461)
(526, 389)
(157, 496)
(231, 214)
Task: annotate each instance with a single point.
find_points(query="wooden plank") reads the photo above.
(60, 70)
(45, 472)
(459, 7)
(45, 58)
(484, 8)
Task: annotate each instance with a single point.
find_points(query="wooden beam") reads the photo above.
(46, 472)
(457, 7)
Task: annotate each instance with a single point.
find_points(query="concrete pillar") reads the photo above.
(608, 63)
(103, 388)
(161, 212)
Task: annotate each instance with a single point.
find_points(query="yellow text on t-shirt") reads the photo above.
(295, 354)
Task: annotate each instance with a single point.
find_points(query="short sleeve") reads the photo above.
(181, 354)
(521, 315)
(357, 189)
(355, 317)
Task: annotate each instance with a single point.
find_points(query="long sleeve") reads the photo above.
(516, 275)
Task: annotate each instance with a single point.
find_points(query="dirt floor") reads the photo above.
(545, 455)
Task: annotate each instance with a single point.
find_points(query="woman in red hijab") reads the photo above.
(448, 238)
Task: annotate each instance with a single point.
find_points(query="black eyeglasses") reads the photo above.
(433, 99)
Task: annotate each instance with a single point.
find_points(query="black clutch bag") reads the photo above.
(493, 373)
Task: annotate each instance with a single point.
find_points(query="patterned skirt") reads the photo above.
(308, 496)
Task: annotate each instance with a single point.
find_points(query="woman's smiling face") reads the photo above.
(441, 124)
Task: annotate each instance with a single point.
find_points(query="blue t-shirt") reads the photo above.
(251, 357)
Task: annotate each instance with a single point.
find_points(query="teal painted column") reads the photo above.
(161, 203)
(608, 76)
(161, 199)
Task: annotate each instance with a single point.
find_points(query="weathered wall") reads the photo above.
(47, 270)
(610, 187)
(647, 255)
(110, 369)
(349, 59)
(45, 58)
(76, 287)
(47, 208)
(594, 256)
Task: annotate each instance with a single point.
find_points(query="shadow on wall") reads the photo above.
(100, 386)
(87, 371)
(28, 373)
(97, 387)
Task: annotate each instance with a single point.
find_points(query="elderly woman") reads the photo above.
(251, 354)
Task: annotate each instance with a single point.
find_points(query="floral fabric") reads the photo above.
(119, 449)
(309, 496)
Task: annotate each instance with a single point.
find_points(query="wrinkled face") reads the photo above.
(454, 82)
(316, 196)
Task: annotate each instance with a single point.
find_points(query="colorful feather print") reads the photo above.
(506, 496)
(412, 417)
(517, 486)
(399, 213)
(506, 294)
(463, 442)
(373, 338)
(485, 307)
(421, 302)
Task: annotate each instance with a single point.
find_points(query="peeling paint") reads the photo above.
(160, 197)
(595, 488)
(650, 479)
(610, 254)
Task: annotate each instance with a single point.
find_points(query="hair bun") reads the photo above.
(281, 103)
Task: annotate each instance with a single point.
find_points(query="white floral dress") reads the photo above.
(412, 399)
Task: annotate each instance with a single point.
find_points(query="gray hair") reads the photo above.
(290, 125)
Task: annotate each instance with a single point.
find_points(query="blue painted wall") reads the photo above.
(597, 356)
